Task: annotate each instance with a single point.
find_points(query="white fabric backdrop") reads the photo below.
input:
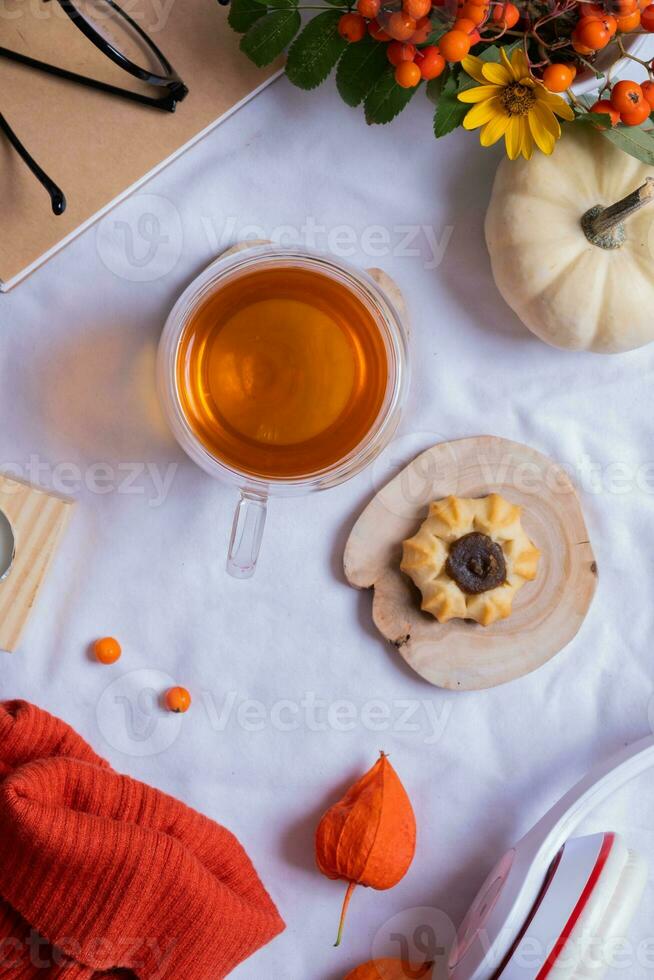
(146, 564)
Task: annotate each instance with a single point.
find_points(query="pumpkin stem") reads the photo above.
(604, 227)
(346, 902)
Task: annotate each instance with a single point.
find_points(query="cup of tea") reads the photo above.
(281, 371)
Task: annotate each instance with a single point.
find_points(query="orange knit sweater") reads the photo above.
(100, 873)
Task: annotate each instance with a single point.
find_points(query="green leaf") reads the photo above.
(360, 67)
(450, 113)
(386, 99)
(598, 120)
(435, 86)
(315, 52)
(243, 14)
(338, 3)
(634, 140)
(268, 37)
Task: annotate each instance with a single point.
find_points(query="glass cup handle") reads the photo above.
(247, 532)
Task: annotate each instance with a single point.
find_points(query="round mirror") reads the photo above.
(7, 546)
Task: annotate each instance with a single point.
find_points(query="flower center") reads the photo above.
(518, 99)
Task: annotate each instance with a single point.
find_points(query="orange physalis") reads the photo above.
(389, 969)
(369, 837)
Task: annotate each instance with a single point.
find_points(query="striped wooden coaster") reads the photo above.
(38, 520)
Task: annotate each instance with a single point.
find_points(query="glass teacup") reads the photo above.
(281, 371)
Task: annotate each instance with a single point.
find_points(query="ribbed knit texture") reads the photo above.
(112, 873)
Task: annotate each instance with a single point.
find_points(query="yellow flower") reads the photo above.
(508, 102)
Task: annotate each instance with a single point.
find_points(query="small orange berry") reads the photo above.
(368, 8)
(416, 8)
(507, 15)
(648, 92)
(178, 700)
(377, 31)
(557, 78)
(396, 52)
(604, 108)
(580, 48)
(401, 25)
(407, 74)
(593, 33)
(626, 96)
(107, 650)
(352, 27)
(647, 18)
(467, 26)
(422, 32)
(454, 45)
(629, 23)
(430, 62)
(637, 115)
(621, 8)
(474, 12)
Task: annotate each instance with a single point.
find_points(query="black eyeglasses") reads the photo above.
(125, 42)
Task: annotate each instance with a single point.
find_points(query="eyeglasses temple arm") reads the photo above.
(57, 196)
(168, 103)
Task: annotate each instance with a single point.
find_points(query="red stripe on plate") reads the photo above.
(546, 969)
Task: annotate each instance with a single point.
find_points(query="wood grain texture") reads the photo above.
(38, 520)
(547, 613)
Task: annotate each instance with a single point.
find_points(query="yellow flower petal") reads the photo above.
(544, 140)
(497, 74)
(547, 119)
(513, 138)
(527, 139)
(479, 93)
(473, 66)
(555, 103)
(519, 64)
(483, 113)
(494, 130)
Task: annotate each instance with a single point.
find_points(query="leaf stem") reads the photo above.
(348, 895)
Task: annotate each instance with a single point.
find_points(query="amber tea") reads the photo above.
(282, 372)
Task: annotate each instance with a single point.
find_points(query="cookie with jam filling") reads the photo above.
(470, 557)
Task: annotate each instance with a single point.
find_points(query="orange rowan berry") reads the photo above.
(401, 26)
(377, 31)
(637, 115)
(396, 52)
(629, 23)
(593, 33)
(431, 62)
(507, 15)
(604, 108)
(107, 650)
(416, 8)
(407, 74)
(178, 700)
(475, 12)
(626, 96)
(648, 93)
(369, 8)
(467, 26)
(454, 45)
(422, 32)
(352, 27)
(647, 18)
(557, 77)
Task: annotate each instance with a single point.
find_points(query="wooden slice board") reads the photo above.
(547, 613)
(38, 520)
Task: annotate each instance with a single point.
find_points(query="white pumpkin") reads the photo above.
(570, 292)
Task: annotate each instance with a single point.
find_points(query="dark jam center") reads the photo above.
(476, 563)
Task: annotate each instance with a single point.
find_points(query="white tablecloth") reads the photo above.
(294, 692)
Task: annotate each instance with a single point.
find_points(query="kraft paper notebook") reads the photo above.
(97, 147)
